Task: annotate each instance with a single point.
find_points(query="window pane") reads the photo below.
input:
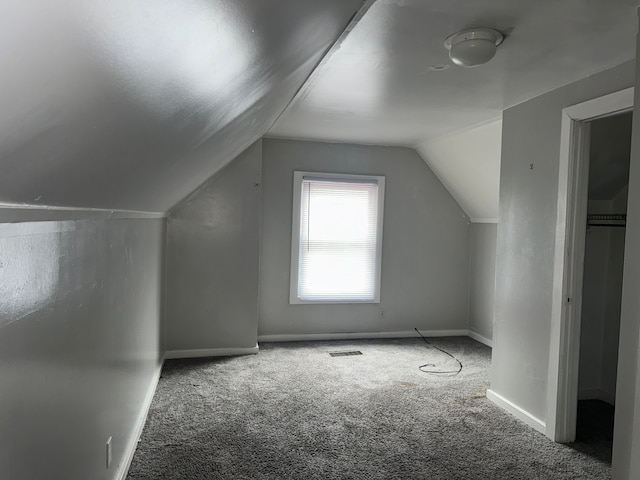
(338, 240)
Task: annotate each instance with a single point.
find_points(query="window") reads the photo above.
(336, 244)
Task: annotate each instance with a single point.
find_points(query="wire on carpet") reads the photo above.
(445, 373)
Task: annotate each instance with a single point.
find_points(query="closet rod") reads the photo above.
(606, 225)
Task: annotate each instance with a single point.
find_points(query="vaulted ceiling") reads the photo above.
(384, 84)
(132, 105)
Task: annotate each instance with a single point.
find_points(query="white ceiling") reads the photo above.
(133, 104)
(377, 87)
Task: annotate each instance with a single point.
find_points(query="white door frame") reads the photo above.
(564, 351)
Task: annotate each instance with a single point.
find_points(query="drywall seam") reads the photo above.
(479, 338)
(302, 337)
(484, 220)
(130, 450)
(518, 412)
(210, 352)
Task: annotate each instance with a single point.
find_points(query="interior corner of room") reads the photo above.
(147, 204)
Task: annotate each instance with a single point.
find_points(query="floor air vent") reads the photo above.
(345, 354)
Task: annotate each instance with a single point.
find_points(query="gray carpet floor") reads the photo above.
(295, 412)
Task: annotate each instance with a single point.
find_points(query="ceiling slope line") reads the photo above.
(484, 123)
(319, 68)
(33, 206)
(444, 184)
(184, 201)
(15, 213)
(338, 142)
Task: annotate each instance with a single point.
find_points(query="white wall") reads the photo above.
(482, 278)
(468, 164)
(526, 237)
(212, 260)
(80, 342)
(425, 264)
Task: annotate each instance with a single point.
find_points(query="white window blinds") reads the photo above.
(338, 247)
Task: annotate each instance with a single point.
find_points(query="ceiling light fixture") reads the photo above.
(470, 48)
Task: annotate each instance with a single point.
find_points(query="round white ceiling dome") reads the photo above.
(473, 47)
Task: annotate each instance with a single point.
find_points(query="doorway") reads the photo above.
(563, 379)
(607, 190)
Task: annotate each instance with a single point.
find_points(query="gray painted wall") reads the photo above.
(526, 237)
(79, 342)
(482, 277)
(212, 260)
(425, 267)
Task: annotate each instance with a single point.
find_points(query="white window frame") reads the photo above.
(298, 177)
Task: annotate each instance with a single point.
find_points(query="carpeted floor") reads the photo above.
(295, 412)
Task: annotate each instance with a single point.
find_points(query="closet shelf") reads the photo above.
(607, 220)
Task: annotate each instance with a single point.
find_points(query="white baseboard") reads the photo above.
(516, 411)
(302, 337)
(479, 338)
(130, 449)
(210, 352)
(597, 394)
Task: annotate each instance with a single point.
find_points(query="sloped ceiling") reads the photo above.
(132, 104)
(380, 86)
(468, 164)
(392, 83)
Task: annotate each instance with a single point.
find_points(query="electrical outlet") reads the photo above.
(382, 313)
(109, 452)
